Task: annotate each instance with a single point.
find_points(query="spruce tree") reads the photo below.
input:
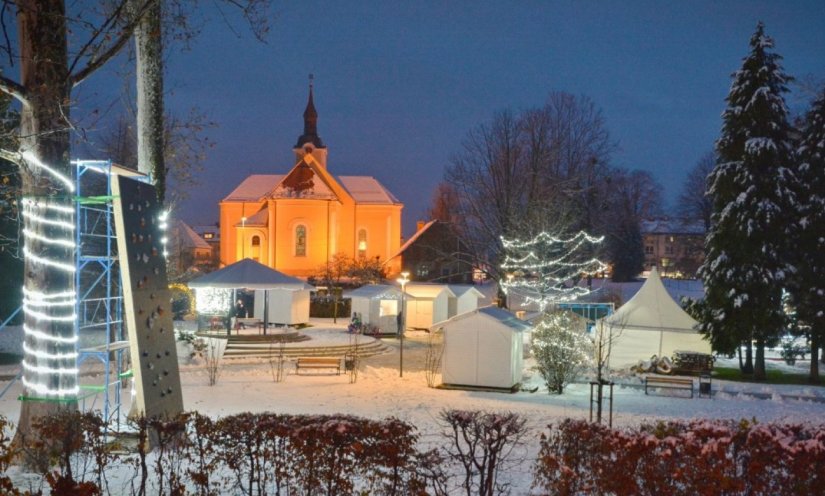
(808, 288)
(745, 264)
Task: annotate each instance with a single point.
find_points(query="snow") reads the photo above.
(247, 386)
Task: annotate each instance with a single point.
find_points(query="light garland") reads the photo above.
(50, 359)
(544, 280)
(213, 300)
(31, 158)
(163, 224)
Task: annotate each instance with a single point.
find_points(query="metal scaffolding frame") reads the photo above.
(98, 284)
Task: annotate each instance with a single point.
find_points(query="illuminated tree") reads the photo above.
(561, 348)
(546, 269)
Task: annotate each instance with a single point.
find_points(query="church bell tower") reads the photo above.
(309, 143)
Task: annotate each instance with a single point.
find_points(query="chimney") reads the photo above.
(420, 225)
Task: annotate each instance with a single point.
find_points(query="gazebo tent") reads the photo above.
(483, 348)
(427, 304)
(377, 305)
(650, 323)
(465, 299)
(287, 298)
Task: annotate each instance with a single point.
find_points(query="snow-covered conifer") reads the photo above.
(808, 288)
(746, 263)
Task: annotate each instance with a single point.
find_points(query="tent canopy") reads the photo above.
(249, 274)
(652, 308)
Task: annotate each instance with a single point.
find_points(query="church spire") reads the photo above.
(310, 123)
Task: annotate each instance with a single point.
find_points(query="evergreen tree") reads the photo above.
(808, 287)
(745, 267)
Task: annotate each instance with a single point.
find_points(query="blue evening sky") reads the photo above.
(399, 84)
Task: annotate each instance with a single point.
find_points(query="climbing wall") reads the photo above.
(147, 308)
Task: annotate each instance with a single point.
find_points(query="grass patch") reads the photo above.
(774, 376)
(9, 359)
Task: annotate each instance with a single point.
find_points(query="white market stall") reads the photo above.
(483, 348)
(377, 305)
(279, 298)
(650, 323)
(465, 300)
(427, 304)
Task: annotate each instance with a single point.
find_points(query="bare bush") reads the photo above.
(482, 444)
(432, 358)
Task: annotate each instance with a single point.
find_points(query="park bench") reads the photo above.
(662, 382)
(306, 363)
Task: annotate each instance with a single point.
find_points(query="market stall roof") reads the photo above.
(248, 274)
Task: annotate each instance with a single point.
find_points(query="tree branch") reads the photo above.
(13, 157)
(14, 89)
(125, 34)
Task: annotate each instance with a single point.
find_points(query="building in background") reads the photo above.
(188, 250)
(296, 222)
(674, 246)
(435, 254)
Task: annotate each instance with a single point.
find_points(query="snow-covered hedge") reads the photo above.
(682, 458)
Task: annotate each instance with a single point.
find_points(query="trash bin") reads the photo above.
(704, 385)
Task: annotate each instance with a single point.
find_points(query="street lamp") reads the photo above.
(403, 280)
(243, 238)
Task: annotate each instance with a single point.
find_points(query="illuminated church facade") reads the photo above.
(296, 222)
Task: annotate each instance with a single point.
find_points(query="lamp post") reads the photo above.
(243, 238)
(403, 280)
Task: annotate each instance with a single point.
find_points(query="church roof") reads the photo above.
(254, 188)
(363, 189)
(260, 218)
(367, 189)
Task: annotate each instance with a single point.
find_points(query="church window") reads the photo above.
(256, 241)
(300, 241)
(362, 242)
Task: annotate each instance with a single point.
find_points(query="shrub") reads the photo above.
(561, 348)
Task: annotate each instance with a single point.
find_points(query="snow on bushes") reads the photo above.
(682, 458)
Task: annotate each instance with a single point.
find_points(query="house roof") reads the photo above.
(461, 289)
(412, 240)
(374, 290)
(427, 291)
(188, 238)
(671, 226)
(494, 313)
(652, 308)
(249, 274)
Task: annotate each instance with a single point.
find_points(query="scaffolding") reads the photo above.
(99, 325)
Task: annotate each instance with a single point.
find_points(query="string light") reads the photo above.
(42, 336)
(50, 355)
(542, 268)
(213, 300)
(31, 158)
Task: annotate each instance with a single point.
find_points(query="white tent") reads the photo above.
(483, 348)
(465, 299)
(427, 304)
(650, 323)
(279, 298)
(377, 305)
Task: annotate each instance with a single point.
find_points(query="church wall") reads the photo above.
(313, 215)
(383, 226)
(230, 215)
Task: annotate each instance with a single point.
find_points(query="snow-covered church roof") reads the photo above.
(363, 189)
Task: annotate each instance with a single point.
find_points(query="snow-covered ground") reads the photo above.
(247, 385)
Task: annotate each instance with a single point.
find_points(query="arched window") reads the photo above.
(300, 241)
(256, 241)
(362, 243)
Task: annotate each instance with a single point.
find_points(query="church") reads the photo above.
(296, 222)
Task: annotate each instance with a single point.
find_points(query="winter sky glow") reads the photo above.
(399, 84)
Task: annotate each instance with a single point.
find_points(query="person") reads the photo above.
(240, 313)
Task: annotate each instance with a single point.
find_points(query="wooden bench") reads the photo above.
(663, 382)
(318, 363)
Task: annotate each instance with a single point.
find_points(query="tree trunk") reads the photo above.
(149, 86)
(49, 368)
(813, 375)
(759, 365)
(748, 367)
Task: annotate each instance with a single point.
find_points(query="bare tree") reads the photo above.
(538, 170)
(694, 204)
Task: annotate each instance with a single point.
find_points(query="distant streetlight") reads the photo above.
(403, 280)
(243, 238)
